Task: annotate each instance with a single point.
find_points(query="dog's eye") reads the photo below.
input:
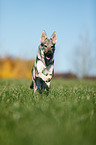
(52, 46)
(45, 45)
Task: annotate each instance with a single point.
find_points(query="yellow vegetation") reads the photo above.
(15, 68)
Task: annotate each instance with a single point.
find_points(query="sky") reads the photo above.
(22, 22)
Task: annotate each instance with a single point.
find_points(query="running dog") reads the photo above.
(43, 69)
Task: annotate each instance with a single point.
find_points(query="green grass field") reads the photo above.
(67, 116)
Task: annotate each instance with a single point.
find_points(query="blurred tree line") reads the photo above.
(84, 57)
(15, 68)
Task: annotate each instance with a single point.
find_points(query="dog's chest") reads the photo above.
(41, 67)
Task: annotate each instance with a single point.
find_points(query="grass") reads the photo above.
(66, 116)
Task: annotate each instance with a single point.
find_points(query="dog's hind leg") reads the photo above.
(35, 87)
(38, 84)
(44, 87)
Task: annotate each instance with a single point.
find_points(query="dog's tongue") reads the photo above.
(47, 58)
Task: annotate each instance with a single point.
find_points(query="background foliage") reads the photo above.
(15, 68)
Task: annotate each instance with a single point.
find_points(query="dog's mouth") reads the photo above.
(48, 55)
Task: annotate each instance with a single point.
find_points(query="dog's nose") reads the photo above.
(49, 51)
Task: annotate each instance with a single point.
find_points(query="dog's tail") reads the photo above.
(31, 86)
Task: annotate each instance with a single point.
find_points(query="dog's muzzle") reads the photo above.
(48, 57)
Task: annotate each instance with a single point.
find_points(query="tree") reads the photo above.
(84, 57)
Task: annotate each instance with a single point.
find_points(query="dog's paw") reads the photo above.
(42, 76)
(49, 76)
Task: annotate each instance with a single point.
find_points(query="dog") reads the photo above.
(43, 69)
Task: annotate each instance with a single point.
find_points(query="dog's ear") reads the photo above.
(43, 36)
(54, 37)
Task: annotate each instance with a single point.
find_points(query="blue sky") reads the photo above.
(22, 21)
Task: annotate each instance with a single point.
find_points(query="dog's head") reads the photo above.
(48, 46)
